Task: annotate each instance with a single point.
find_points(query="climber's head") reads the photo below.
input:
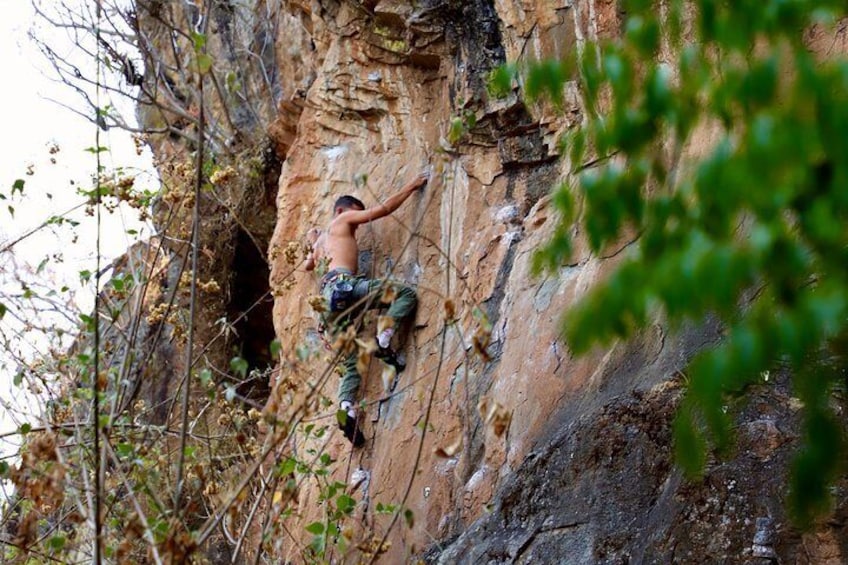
(347, 202)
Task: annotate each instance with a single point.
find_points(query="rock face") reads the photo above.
(581, 470)
(500, 444)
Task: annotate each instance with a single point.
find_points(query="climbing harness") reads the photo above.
(341, 296)
(340, 299)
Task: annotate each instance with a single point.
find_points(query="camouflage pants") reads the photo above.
(367, 295)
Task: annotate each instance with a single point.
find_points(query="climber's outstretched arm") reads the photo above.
(392, 203)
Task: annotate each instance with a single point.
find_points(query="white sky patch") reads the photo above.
(30, 125)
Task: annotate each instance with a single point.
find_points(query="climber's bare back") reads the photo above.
(337, 246)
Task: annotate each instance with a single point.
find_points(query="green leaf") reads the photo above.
(316, 528)
(658, 97)
(689, 445)
(17, 186)
(239, 366)
(345, 504)
(42, 265)
(319, 544)
(501, 80)
(385, 508)
(124, 450)
(25, 428)
(3, 310)
(341, 417)
(817, 464)
(4, 469)
(205, 376)
(329, 492)
(199, 40)
(88, 321)
(232, 82)
(286, 467)
(546, 78)
(456, 131)
(57, 542)
(618, 70)
(643, 32)
(275, 349)
(204, 63)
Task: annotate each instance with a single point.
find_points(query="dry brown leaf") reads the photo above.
(291, 252)
(450, 310)
(388, 375)
(363, 359)
(384, 323)
(318, 303)
(389, 294)
(495, 415)
(500, 420)
(481, 342)
(345, 342)
(483, 408)
(450, 450)
(367, 345)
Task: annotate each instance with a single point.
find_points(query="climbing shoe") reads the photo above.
(384, 338)
(350, 428)
(391, 357)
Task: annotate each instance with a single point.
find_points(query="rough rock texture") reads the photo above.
(583, 471)
(575, 465)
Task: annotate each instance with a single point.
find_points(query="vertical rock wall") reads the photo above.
(389, 81)
(574, 465)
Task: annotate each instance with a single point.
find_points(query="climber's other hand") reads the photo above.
(422, 178)
(312, 235)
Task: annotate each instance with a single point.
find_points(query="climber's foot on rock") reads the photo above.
(352, 432)
(384, 338)
(348, 423)
(391, 357)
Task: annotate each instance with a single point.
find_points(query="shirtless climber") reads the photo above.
(347, 293)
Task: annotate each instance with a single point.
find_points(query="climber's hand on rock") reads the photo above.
(422, 178)
(312, 235)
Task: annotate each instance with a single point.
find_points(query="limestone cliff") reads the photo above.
(502, 446)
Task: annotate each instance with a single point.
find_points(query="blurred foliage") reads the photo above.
(751, 230)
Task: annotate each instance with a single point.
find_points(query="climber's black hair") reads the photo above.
(348, 202)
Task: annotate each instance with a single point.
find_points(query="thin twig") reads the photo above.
(95, 380)
(198, 183)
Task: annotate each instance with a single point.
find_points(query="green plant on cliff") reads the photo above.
(751, 231)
